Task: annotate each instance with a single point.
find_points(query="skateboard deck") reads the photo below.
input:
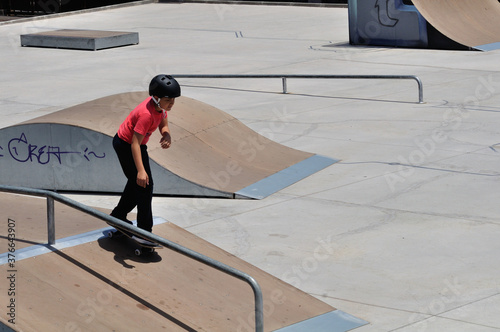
(142, 247)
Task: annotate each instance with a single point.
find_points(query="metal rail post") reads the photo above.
(420, 89)
(51, 225)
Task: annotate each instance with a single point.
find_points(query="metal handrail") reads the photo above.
(286, 76)
(52, 196)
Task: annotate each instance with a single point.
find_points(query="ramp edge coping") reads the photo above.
(336, 320)
(286, 177)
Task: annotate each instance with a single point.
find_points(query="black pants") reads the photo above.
(134, 195)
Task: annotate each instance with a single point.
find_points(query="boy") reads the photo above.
(130, 146)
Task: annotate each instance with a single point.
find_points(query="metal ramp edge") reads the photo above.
(284, 178)
(336, 320)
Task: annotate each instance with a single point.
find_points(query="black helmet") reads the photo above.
(164, 86)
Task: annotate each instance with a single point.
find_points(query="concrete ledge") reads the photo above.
(80, 39)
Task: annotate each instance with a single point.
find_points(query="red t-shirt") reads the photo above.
(144, 119)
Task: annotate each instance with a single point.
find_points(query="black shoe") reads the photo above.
(123, 230)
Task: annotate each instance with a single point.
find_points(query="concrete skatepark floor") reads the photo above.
(409, 217)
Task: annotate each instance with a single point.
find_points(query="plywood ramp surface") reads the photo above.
(30, 216)
(469, 22)
(103, 286)
(206, 140)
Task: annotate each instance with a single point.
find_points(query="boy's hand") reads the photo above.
(142, 179)
(166, 141)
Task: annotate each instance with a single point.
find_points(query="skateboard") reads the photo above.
(141, 249)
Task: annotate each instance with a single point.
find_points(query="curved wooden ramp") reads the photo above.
(212, 155)
(100, 285)
(470, 22)
(455, 25)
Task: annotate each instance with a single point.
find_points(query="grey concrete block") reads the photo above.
(80, 39)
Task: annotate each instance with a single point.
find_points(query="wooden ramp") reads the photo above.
(102, 286)
(212, 155)
(470, 22)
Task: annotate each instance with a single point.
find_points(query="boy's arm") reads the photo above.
(142, 176)
(165, 140)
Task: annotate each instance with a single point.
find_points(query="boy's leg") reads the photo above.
(128, 199)
(144, 196)
(127, 202)
(134, 195)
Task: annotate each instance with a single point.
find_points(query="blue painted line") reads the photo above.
(284, 178)
(488, 47)
(336, 320)
(71, 241)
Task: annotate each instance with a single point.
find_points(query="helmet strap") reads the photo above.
(157, 102)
